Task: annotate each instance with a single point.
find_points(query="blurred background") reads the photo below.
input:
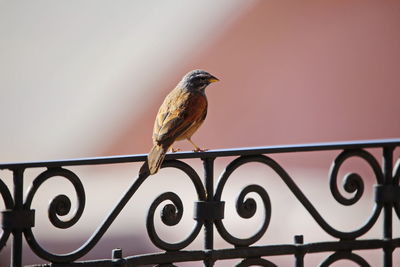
(83, 79)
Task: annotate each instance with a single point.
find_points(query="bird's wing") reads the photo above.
(179, 113)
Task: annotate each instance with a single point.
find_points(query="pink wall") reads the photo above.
(295, 72)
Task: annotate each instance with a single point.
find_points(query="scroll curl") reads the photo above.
(353, 182)
(171, 214)
(246, 207)
(61, 204)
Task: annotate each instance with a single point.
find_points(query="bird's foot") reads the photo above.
(198, 149)
(174, 150)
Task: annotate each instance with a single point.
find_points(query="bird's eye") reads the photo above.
(201, 79)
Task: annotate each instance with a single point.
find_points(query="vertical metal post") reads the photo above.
(208, 164)
(388, 207)
(299, 255)
(16, 249)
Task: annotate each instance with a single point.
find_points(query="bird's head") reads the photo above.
(197, 80)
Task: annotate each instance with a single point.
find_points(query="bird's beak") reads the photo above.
(213, 79)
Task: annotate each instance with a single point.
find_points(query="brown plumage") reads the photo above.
(180, 115)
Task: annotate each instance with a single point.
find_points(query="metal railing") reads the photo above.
(18, 218)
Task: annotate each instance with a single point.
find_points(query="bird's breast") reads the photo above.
(197, 111)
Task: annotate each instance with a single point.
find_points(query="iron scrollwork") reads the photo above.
(9, 204)
(246, 208)
(172, 213)
(396, 184)
(344, 256)
(353, 184)
(60, 206)
(256, 262)
(209, 207)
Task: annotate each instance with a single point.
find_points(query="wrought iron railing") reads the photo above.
(18, 218)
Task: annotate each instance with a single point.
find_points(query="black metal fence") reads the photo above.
(18, 218)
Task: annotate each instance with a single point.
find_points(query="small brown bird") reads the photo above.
(180, 115)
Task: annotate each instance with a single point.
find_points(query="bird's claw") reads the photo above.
(198, 149)
(174, 150)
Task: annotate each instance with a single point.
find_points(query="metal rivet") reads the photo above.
(298, 239)
(117, 254)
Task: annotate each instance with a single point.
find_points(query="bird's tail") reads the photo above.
(154, 160)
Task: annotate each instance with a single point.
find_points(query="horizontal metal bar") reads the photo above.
(240, 253)
(261, 251)
(210, 154)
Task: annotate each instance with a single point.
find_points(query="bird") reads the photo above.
(180, 115)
